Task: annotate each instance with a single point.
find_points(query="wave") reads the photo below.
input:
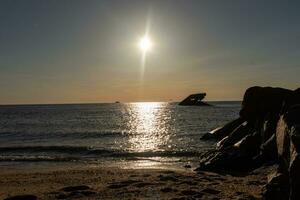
(62, 134)
(78, 152)
(14, 137)
(37, 158)
(26, 149)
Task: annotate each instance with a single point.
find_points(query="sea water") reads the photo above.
(138, 134)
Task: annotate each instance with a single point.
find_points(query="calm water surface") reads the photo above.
(139, 133)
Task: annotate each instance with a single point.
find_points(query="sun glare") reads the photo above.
(145, 44)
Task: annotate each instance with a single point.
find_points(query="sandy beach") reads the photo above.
(117, 183)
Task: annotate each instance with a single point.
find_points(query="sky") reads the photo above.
(85, 51)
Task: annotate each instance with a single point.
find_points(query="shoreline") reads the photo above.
(119, 183)
(126, 164)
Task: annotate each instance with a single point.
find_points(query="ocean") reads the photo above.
(146, 134)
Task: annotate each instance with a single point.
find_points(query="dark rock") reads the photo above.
(224, 131)
(238, 157)
(240, 132)
(194, 100)
(242, 138)
(288, 146)
(269, 126)
(258, 101)
(277, 187)
(267, 131)
(229, 159)
(221, 142)
(269, 149)
(22, 197)
(249, 145)
(283, 142)
(293, 99)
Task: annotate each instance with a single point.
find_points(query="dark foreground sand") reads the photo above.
(116, 183)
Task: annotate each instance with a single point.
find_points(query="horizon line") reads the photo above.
(117, 102)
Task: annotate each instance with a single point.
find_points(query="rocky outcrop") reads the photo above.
(224, 131)
(236, 135)
(194, 100)
(288, 146)
(258, 102)
(267, 131)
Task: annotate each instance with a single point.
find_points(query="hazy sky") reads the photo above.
(60, 51)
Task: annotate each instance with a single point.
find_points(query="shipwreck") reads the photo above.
(194, 100)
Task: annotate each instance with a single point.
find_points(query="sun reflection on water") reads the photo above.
(148, 126)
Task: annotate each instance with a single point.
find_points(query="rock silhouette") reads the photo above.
(267, 131)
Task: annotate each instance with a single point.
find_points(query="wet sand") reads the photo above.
(117, 183)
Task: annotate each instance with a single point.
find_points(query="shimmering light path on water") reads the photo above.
(149, 126)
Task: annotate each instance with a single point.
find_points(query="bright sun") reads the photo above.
(145, 44)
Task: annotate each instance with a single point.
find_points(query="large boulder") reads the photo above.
(288, 147)
(259, 101)
(292, 99)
